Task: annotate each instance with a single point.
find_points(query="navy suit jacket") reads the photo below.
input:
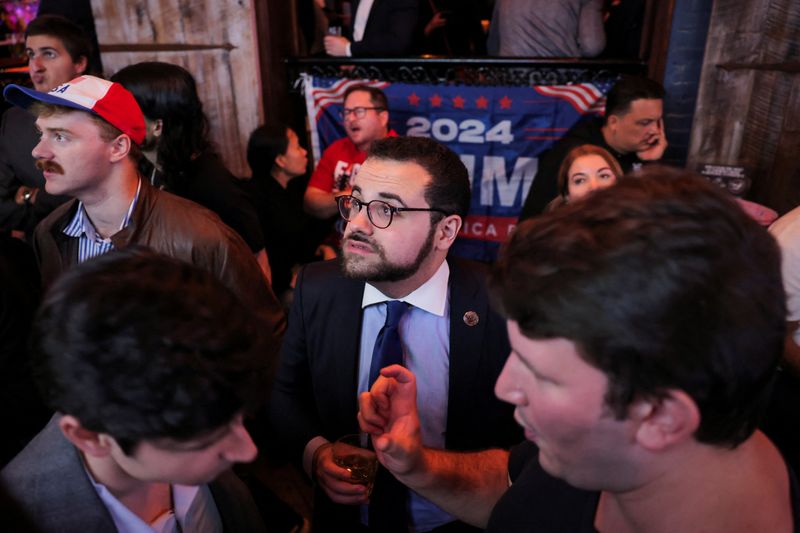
(317, 381)
(389, 30)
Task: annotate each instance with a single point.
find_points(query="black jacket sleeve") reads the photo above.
(389, 31)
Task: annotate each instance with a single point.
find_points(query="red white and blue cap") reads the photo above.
(108, 100)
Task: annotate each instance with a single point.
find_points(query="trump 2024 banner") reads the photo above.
(498, 132)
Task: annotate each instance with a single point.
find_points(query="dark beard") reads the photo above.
(385, 271)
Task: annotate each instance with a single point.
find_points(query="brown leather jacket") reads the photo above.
(178, 228)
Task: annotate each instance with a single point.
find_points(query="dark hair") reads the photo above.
(143, 346)
(266, 143)
(376, 96)
(73, 38)
(168, 92)
(449, 188)
(630, 88)
(662, 282)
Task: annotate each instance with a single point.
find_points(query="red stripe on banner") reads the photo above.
(336, 96)
(486, 228)
(599, 106)
(583, 97)
(563, 95)
(545, 129)
(332, 89)
(332, 96)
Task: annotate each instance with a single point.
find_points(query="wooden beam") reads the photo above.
(163, 47)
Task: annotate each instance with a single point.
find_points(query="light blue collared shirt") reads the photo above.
(193, 510)
(425, 336)
(90, 243)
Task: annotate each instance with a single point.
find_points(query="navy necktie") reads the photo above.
(388, 349)
(387, 506)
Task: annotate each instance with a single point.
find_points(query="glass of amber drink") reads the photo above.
(352, 453)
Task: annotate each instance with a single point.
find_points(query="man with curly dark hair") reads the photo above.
(149, 391)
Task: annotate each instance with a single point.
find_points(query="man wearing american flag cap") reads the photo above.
(91, 130)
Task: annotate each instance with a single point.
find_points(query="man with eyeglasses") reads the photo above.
(366, 119)
(406, 207)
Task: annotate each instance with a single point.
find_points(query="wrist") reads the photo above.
(315, 459)
(419, 468)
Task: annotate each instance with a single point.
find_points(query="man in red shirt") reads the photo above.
(366, 119)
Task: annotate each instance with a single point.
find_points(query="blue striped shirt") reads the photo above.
(90, 243)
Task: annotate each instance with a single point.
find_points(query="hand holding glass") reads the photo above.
(361, 462)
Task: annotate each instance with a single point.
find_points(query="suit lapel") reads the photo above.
(466, 341)
(347, 317)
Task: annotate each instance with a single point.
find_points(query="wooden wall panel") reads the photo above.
(214, 39)
(747, 109)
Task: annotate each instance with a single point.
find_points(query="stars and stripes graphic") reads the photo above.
(324, 97)
(584, 97)
(499, 132)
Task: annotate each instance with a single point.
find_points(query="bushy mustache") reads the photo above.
(49, 166)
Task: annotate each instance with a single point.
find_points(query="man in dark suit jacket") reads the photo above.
(406, 209)
(150, 391)
(379, 28)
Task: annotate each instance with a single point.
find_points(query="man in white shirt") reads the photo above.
(149, 391)
(381, 28)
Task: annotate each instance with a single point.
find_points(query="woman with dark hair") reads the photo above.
(585, 169)
(292, 238)
(179, 155)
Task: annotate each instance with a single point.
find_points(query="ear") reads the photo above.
(384, 118)
(280, 161)
(120, 148)
(612, 121)
(89, 442)
(158, 127)
(446, 231)
(665, 422)
(81, 65)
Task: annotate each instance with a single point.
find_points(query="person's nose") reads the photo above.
(35, 64)
(506, 387)
(41, 150)
(240, 447)
(359, 222)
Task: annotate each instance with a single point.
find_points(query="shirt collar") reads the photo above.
(182, 498)
(81, 223)
(431, 296)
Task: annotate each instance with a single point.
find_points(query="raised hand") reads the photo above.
(657, 144)
(388, 412)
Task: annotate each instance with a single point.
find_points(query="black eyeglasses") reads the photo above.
(379, 212)
(359, 112)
